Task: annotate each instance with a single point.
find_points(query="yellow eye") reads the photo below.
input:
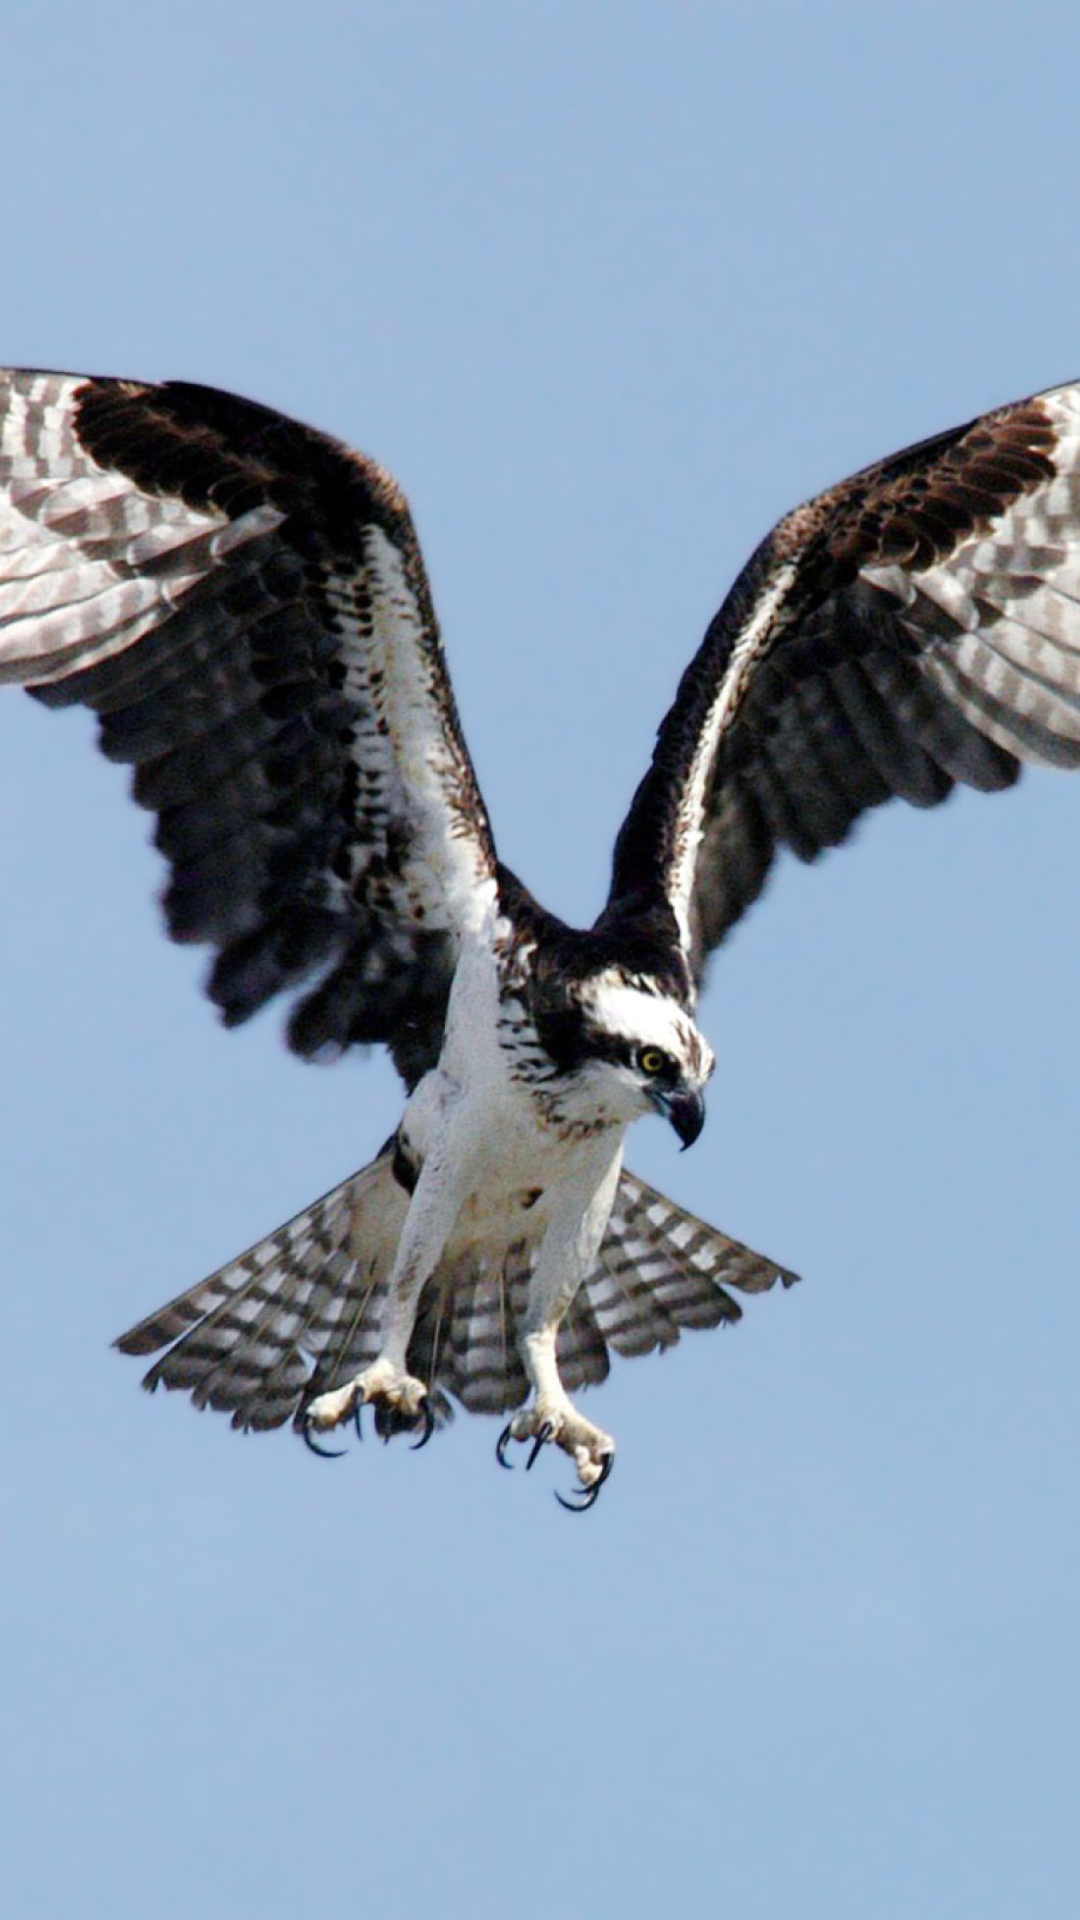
(651, 1060)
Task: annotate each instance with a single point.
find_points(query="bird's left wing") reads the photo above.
(243, 602)
(914, 627)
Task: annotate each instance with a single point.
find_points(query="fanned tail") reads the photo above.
(300, 1313)
(661, 1269)
(294, 1315)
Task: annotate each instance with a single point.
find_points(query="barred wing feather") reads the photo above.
(914, 627)
(243, 602)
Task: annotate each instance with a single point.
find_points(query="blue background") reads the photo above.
(609, 287)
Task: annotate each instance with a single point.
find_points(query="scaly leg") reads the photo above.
(569, 1248)
(387, 1382)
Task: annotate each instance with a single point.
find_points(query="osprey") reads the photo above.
(243, 602)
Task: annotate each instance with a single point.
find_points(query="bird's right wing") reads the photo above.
(243, 602)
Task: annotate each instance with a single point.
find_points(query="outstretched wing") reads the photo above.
(914, 627)
(243, 602)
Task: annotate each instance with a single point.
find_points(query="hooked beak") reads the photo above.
(686, 1112)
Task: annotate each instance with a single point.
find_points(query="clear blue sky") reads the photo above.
(609, 287)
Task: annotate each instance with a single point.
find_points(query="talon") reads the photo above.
(543, 1436)
(578, 1503)
(323, 1453)
(501, 1445)
(427, 1418)
(586, 1497)
(356, 1419)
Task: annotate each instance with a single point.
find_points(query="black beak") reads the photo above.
(686, 1112)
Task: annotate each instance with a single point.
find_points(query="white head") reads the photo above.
(627, 1041)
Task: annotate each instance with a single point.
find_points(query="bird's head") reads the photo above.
(627, 1038)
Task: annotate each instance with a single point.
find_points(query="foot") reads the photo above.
(590, 1448)
(400, 1401)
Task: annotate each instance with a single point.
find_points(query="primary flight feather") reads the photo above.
(243, 602)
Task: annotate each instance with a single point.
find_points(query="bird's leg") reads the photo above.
(552, 1416)
(398, 1395)
(566, 1256)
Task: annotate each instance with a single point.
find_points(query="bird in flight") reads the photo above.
(242, 601)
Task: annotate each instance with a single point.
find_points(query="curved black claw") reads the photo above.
(587, 1497)
(426, 1417)
(323, 1453)
(541, 1439)
(357, 1418)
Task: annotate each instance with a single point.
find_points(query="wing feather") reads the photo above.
(243, 602)
(914, 627)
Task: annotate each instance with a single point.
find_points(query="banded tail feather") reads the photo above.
(250, 1338)
(299, 1313)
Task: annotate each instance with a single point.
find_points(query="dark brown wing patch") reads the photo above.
(914, 508)
(916, 626)
(243, 602)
